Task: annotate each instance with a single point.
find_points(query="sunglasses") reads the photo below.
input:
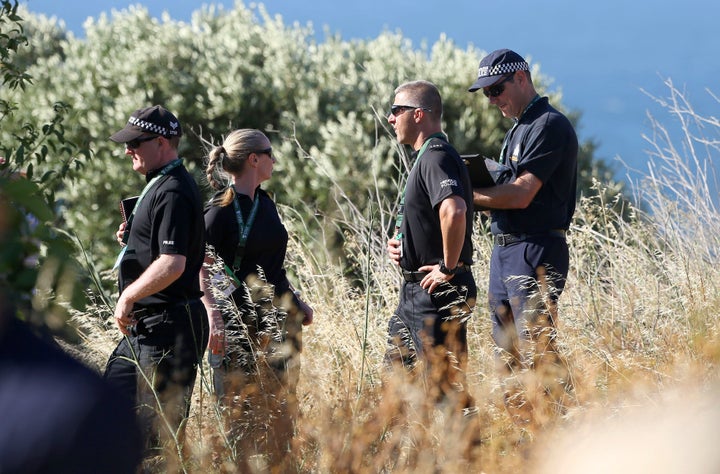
(266, 151)
(496, 90)
(396, 109)
(133, 144)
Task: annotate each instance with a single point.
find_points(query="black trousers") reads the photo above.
(432, 328)
(157, 365)
(421, 319)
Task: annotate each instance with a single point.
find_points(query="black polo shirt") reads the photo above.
(436, 175)
(543, 143)
(266, 243)
(168, 220)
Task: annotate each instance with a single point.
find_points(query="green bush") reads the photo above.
(323, 104)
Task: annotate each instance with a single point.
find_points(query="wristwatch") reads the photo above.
(446, 270)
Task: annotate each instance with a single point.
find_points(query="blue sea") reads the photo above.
(601, 55)
(606, 57)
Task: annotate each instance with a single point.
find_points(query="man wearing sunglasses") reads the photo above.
(159, 312)
(531, 211)
(432, 245)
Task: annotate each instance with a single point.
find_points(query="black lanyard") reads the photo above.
(243, 228)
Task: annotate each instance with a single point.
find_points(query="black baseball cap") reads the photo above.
(154, 120)
(497, 64)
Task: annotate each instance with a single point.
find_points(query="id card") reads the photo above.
(225, 281)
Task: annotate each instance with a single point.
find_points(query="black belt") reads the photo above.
(507, 239)
(150, 317)
(141, 311)
(413, 277)
(416, 277)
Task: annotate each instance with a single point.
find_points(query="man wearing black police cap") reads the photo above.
(531, 211)
(159, 312)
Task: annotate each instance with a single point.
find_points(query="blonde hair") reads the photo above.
(230, 159)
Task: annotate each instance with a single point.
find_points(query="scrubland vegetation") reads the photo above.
(638, 319)
(638, 323)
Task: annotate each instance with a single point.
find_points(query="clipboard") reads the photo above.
(484, 172)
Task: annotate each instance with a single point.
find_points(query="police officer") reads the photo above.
(531, 211)
(159, 312)
(432, 244)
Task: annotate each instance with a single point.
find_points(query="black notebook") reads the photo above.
(126, 207)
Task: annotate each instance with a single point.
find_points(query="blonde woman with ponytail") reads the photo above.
(258, 339)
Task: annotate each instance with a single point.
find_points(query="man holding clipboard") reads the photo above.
(531, 205)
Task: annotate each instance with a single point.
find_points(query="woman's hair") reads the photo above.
(230, 158)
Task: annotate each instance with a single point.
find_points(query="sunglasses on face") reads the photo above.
(397, 109)
(266, 151)
(496, 90)
(133, 144)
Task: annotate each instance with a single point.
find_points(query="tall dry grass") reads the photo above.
(638, 324)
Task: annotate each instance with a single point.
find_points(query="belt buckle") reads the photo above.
(413, 277)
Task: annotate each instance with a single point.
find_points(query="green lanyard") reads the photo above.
(509, 133)
(126, 234)
(399, 220)
(243, 228)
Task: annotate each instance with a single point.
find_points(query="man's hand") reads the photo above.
(120, 232)
(394, 250)
(159, 275)
(434, 278)
(123, 316)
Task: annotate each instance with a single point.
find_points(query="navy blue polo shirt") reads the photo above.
(168, 220)
(543, 143)
(438, 174)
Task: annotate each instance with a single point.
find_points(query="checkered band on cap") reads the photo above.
(485, 71)
(154, 128)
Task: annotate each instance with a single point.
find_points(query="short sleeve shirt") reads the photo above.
(543, 143)
(437, 174)
(168, 220)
